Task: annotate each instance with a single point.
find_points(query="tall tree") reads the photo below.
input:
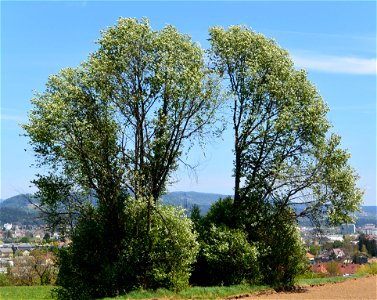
(118, 125)
(122, 120)
(287, 164)
(284, 152)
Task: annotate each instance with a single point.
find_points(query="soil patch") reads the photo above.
(357, 288)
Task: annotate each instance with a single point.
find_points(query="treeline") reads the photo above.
(118, 126)
(367, 245)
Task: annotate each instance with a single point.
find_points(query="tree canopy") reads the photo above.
(115, 126)
(284, 151)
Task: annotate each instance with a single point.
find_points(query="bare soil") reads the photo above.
(357, 288)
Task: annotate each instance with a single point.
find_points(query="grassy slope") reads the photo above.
(25, 292)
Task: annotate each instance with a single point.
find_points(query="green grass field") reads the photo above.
(44, 292)
(25, 292)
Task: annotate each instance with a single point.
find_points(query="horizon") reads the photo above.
(334, 41)
(175, 192)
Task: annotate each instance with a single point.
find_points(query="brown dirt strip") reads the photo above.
(355, 289)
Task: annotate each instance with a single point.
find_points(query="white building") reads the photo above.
(369, 229)
(8, 226)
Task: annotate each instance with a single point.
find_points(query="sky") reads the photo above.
(334, 41)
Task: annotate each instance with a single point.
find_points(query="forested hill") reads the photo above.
(188, 199)
(18, 209)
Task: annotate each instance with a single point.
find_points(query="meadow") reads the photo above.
(219, 292)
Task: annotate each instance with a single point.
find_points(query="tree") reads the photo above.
(38, 267)
(119, 121)
(119, 124)
(367, 245)
(349, 247)
(287, 164)
(284, 153)
(314, 249)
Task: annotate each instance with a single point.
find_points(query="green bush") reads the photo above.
(157, 249)
(84, 266)
(282, 254)
(160, 247)
(222, 213)
(226, 258)
(4, 280)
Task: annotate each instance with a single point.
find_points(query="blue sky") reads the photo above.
(334, 41)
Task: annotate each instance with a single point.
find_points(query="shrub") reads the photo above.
(333, 268)
(157, 250)
(282, 254)
(4, 280)
(83, 266)
(226, 257)
(368, 269)
(160, 247)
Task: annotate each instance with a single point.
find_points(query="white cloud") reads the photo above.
(336, 64)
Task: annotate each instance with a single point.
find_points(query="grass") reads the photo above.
(323, 280)
(25, 292)
(200, 293)
(204, 293)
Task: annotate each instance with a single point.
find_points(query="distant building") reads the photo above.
(334, 237)
(338, 253)
(369, 229)
(8, 226)
(310, 257)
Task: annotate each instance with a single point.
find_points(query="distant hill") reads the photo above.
(368, 215)
(19, 201)
(188, 199)
(18, 210)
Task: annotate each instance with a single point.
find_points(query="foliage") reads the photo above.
(37, 268)
(196, 218)
(283, 150)
(112, 132)
(282, 254)
(222, 213)
(368, 269)
(86, 271)
(284, 153)
(226, 258)
(117, 125)
(314, 249)
(4, 280)
(333, 268)
(120, 120)
(162, 257)
(368, 244)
